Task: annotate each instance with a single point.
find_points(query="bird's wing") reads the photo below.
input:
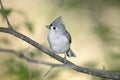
(67, 34)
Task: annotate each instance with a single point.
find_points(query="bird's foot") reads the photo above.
(65, 59)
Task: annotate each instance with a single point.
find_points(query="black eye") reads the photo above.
(54, 27)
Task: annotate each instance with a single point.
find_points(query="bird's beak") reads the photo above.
(47, 26)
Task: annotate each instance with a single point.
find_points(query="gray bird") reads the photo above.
(59, 38)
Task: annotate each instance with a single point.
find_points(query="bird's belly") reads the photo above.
(59, 45)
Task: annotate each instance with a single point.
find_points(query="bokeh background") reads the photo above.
(93, 24)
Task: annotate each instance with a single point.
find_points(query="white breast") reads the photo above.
(58, 43)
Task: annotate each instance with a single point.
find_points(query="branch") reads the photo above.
(94, 72)
(4, 14)
(22, 56)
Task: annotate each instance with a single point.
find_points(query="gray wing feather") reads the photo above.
(67, 34)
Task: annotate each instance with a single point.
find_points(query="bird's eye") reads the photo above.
(54, 27)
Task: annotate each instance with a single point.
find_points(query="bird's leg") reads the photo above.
(65, 58)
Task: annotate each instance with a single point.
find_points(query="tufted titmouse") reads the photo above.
(59, 38)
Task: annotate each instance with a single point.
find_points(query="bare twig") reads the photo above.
(51, 68)
(4, 14)
(22, 56)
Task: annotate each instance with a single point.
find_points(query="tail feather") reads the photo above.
(70, 53)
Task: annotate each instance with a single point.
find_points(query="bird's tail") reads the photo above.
(70, 53)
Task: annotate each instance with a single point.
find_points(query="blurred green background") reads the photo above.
(93, 24)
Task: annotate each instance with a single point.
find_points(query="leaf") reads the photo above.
(32, 54)
(102, 29)
(72, 4)
(104, 32)
(23, 72)
(29, 26)
(7, 12)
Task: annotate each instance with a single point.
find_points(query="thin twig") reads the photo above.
(4, 14)
(22, 56)
(51, 68)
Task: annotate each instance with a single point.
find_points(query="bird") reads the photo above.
(59, 38)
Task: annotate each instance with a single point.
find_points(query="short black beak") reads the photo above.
(47, 26)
